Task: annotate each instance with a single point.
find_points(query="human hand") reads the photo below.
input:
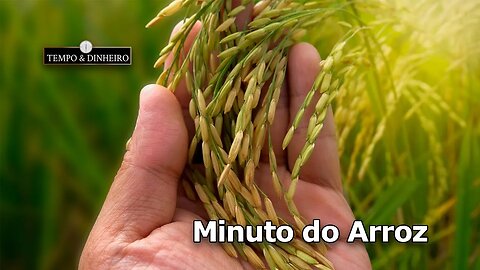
(146, 222)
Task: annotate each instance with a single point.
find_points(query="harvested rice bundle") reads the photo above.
(234, 76)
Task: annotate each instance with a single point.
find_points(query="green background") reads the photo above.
(63, 131)
(63, 128)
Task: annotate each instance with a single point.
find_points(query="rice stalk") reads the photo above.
(235, 82)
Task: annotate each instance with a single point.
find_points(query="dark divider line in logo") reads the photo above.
(86, 54)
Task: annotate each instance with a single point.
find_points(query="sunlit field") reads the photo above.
(407, 116)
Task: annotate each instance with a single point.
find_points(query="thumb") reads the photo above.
(144, 192)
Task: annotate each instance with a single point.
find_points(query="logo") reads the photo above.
(87, 54)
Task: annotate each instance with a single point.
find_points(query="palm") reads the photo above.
(170, 245)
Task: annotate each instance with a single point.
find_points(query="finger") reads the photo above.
(143, 194)
(181, 91)
(278, 129)
(323, 166)
(244, 17)
(187, 45)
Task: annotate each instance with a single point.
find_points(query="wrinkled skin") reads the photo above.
(146, 220)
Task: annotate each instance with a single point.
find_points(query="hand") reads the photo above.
(146, 223)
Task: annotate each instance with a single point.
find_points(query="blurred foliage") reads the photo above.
(63, 129)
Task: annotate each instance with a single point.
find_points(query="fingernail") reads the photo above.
(127, 144)
(147, 91)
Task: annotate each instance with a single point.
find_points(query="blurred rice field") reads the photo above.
(408, 122)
